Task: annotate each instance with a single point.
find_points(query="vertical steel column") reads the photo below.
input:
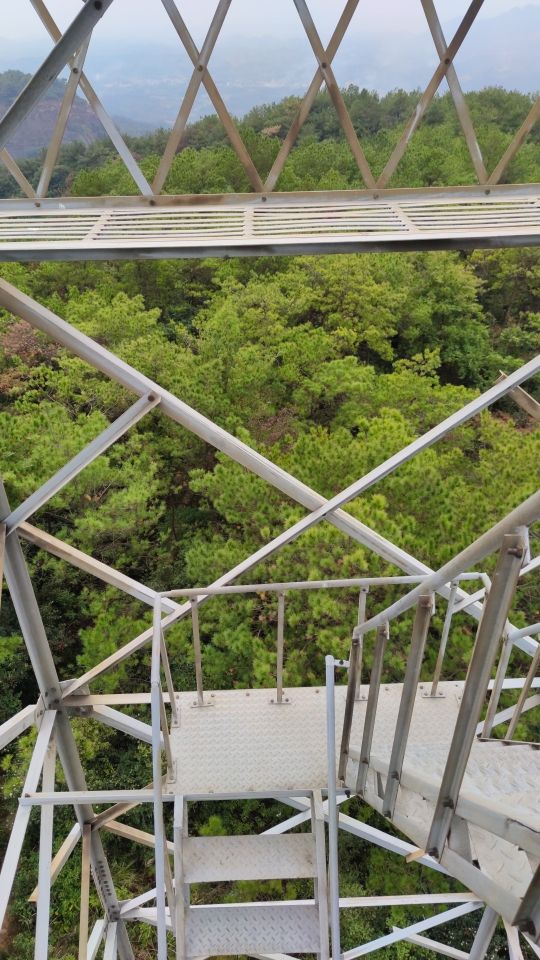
(85, 892)
(41, 947)
(485, 648)
(333, 861)
(33, 631)
(406, 705)
(371, 709)
(159, 831)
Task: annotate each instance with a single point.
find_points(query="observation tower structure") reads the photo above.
(459, 797)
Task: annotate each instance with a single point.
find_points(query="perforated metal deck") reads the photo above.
(254, 224)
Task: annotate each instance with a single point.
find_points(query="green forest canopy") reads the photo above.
(327, 366)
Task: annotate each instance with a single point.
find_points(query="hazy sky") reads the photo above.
(140, 19)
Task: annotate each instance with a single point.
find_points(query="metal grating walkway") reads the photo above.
(276, 224)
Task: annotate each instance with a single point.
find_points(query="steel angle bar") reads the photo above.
(64, 551)
(107, 123)
(334, 92)
(528, 916)
(403, 932)
(197, 651)
(60, 858)
(358, 829)
(121, 721)
(73, 38)
(45, 857)
(524, 399)
(18, 830)
(159, 829)
(514, 947)
(422, 620)
(435, 946)
(16, 725)
(493, 703)
(524, 693)
(61, 122)
(534, 946)
(186, 106)
(110, 951)
(333, 859)
(484, 934)
(33, 631)
(91, 452)
(516, 143)
(528, 511)
(503, 716)
(381, 641)
(95, 939)
(17, 173)
(407, 899)
(444, 637)
(103, 360)
(236, 141)
(354, 658)
(85, 891)
(280, 646)
(310, 97)
(2, 551)
(487, 640)
(429, 93)
(460, 102)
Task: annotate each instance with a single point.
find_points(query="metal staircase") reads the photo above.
(421, 754)
(250, 928)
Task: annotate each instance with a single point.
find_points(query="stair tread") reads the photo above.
(229, 929)
(263, 857)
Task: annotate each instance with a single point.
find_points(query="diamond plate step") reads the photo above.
(215, 859)
(228, 929)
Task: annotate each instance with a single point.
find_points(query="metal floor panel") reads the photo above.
(246, 744)
(256, 225)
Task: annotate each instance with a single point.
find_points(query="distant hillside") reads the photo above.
(34, 134)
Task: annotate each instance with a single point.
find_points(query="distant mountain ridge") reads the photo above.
(145, 81)
(34, 134)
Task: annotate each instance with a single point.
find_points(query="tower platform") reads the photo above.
(119, 228)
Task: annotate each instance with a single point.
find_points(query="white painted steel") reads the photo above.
(183, 230)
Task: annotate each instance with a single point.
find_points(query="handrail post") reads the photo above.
(362, 602)
(444, 637)
(354, 659)
(383, 632)
(280, 644)
(487, 641)
(333, 863)
(197, 650)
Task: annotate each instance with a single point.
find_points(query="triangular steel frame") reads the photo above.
(201, 77)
